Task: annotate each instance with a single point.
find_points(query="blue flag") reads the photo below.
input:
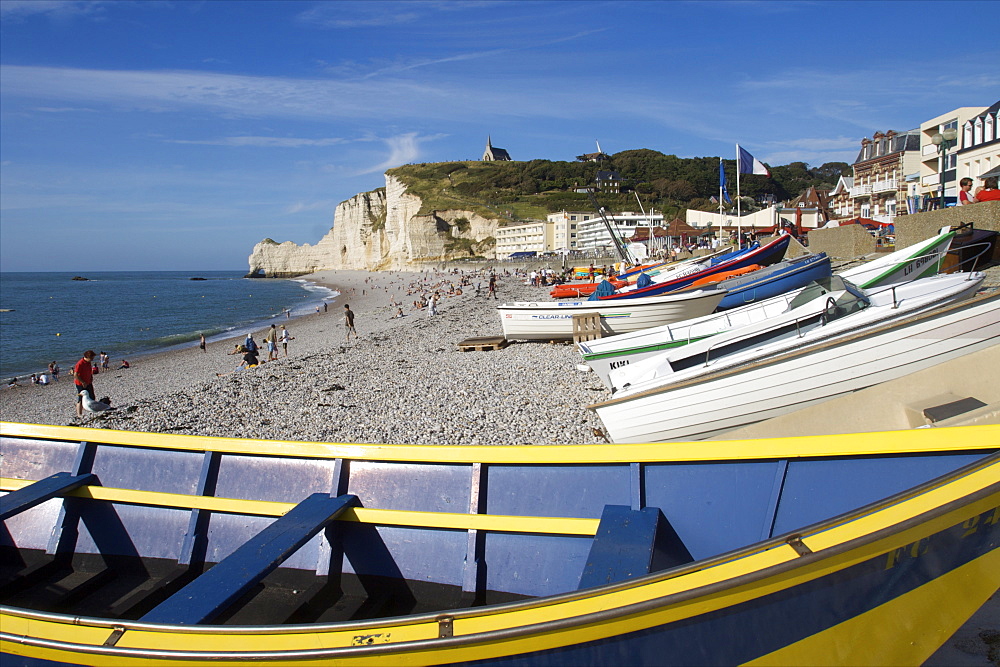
(749, 164)
(722, 182)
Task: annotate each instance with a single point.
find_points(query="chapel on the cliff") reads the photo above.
(493, 153)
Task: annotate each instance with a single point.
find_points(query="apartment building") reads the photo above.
(979, 147)
(559, 231)
(880, 170)
(939, 156)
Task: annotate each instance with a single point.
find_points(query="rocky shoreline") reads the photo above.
(403, 381)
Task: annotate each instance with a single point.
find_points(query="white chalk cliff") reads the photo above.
(380, 230)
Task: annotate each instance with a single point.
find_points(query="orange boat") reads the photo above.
(719, 277)
(575, 290)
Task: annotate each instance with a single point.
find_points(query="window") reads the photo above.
(967, 135)
(978, 131)
(989, 132)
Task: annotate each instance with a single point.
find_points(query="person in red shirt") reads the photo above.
(989, 191)
(83, 379)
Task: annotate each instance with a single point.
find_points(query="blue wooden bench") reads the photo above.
(631, 543)
(210, 594)
(38, 492)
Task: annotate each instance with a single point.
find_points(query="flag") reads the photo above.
(749, 164)
(722, 183)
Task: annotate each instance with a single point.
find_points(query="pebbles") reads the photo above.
(404, 381)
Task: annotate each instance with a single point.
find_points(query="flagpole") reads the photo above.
(739, 218)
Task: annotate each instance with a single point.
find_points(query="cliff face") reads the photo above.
(376, 231)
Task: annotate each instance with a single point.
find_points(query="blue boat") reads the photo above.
(770, 281)
(123, 548)
(764, 255)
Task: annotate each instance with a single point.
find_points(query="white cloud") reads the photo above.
(59, 9)
(403, 149)
(246, 96)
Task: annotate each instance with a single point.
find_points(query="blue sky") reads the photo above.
(175, 135)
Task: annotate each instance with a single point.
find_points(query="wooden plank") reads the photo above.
(211, 593)
(586, 326)
(483, 343)
(52, 486)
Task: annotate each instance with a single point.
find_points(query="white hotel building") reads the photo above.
(568, 230)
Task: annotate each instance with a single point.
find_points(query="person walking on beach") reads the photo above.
(83, 379)
(493, 286)
(284, 338)
(54, 371)
(201, 341)
(349, 322)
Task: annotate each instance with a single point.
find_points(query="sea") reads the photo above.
(49, 316)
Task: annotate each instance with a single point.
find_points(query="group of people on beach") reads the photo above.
(250, 352)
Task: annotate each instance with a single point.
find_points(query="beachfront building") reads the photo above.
(494, 154)
(939, 156)
(531, 236)
(979, 148)
(558, 232)
(725, 224)
(880, 171)
(839, 200)
(592, 234)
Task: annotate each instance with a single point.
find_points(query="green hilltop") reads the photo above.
(534, 188)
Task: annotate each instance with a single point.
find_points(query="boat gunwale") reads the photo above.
(813, 561)
(790, 447)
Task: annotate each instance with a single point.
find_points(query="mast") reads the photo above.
(623, 252)
(739, 219)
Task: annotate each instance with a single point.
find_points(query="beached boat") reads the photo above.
(765, 255)
(770, 281)
(704, 399)
(604, 355)
(553, 320)
(575, 290)
(145, 549)
(916, 261)
(826, 318)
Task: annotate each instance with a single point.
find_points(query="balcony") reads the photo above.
(861, 190)
(884, 186)
(933, 179)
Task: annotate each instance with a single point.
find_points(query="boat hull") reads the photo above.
(553, 320)
(792, 276)
(712, 403)
(815, 544)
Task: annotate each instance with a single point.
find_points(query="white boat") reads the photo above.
(553, 320)
(919, 260)
(707, 405)
(604, 355)
(916, 261)
(826, 317)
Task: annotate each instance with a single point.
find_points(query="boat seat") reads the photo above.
(38, 492)
(210, 594)
(632, 543)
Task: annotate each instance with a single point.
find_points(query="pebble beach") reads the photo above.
(402, 381)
